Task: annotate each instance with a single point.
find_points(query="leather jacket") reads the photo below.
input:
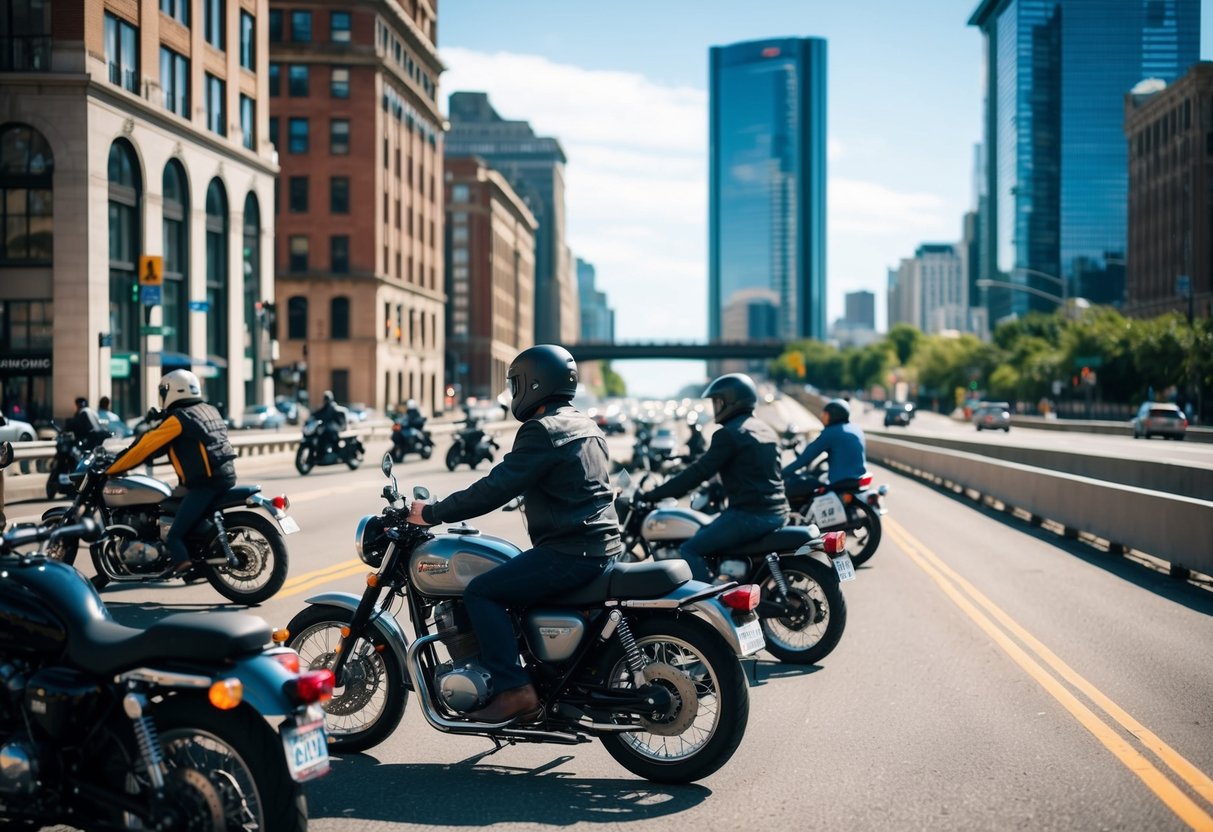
(195, 437)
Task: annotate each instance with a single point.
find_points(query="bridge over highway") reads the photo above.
(620, 350)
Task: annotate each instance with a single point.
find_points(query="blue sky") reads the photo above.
(623, 85)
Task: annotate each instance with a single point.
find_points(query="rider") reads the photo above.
(842, 442)
(413, 417)
(85, 425)
(195, 437)
(745, 452)
(559, 464)
(333, 419)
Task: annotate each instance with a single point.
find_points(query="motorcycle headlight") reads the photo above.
(370, 542)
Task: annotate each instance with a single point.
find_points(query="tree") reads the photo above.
(904, 340)
(613, 384)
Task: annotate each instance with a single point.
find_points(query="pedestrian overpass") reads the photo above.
(715, 350)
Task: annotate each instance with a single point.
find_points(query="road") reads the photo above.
(992, 676)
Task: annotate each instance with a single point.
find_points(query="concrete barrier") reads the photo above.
(1193, 434)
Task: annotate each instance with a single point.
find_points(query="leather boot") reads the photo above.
(510, 704)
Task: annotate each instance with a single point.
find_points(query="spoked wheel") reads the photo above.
(863, 531)
(66, 548)
(261, 560)
(818, 613)
(367, 708)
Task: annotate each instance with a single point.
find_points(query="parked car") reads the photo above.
(611, 420)
(1158, 418)
(261, 417)
(993, 416)
(14, 430)
(288, 408)
(898, 413)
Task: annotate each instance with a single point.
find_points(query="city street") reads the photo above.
(992, 676)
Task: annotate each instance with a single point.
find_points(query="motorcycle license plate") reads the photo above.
(307, 751)
(750, 637)
(288, 524)
(844, 568)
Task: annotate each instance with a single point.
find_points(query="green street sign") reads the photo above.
(120, 367)
(156, 330)
(1088, 361)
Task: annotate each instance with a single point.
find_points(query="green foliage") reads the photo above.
(904, 340)
(613, 384)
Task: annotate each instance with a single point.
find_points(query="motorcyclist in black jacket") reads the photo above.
(85, 425)
(745, 452)
(559, 464)
(413, 417)
(333, 419)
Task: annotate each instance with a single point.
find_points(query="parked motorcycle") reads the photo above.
(410, 440)
(471, 446)
(240, 549)
(104, 726)
(799, 570)
(348, 449)
(856, 509)
(69, 450)
(644, 658)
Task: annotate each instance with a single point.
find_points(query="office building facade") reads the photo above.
(597, 317)
(861, 309)
(767, 189)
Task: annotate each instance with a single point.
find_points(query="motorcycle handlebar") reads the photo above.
(86, 530)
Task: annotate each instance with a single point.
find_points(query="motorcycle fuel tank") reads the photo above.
(673, 523)
(445, 565)
(135, 490)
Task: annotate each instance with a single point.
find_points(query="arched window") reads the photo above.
(216, 291)
(296, 318)
(26, 207)
(254, 320)
(176, 292)
(339, 317)
(125, 227)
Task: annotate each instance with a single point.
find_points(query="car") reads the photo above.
(611, 420)
(1159, 419)
(898, 413)
(663, 444)
(359, 412)
(14, 430)
(288, 408)
(993, 416)
(261, 416)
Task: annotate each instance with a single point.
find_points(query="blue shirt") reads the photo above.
(844, 447)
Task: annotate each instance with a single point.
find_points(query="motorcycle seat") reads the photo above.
(632, 580)
(105, 646)
(236, 496)
(787, 539)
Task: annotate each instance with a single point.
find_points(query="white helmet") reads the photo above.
(179, 386)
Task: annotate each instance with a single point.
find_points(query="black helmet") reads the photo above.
(839, 411)
(542, 372)
(731, 394)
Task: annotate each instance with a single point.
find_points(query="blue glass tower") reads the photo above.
(767, 190)
(1057, 175)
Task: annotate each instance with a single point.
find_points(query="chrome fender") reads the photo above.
(808, 551)
(700, 599)
(388, 627)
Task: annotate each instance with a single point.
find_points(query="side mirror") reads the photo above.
(421, 493)
(6, 454)
(386, 465)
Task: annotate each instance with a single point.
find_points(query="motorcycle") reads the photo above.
(644, 659)
(407, 439)
(348, 449)
(69, 450)
(240, 548)
(855, 509)
(799, 571)
(471, 446)
(104, 726)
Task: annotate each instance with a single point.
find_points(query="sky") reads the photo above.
(623, 86)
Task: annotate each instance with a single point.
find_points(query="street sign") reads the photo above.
(150, 295)
(1183, 286)
(105, 339)
(199, 306)
(120, 367)
(151, 270)
(1088, 361)
(156, 330)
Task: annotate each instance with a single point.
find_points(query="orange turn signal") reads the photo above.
(226, 694)
(372, 580)
(345, 632)
(280, 636)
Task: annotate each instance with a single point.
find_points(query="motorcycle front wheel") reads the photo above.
(355, 457)
(863, 531)
(453, 456)
(818, 611)
(64, 549)
(305, 459)
(709, 697)
(367, 708)
(261, 559)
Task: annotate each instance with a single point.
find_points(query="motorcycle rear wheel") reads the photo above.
(237, 583)
(355, 458)
(426, 451)
(793, 640)
(862, 517)
(305, 459)
(453, 458)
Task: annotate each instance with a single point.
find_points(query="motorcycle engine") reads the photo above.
(18, 768)
(136, 538)
(666, 553)
(462, 683)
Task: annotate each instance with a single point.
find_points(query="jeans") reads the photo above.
(195, 506)
(732, 528)
(535, 575)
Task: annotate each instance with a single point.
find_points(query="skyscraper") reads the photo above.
(1056, 172)
(597, 317)
(766, 236)
(861, 309)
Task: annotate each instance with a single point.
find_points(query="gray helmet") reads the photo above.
(540, 373)
(731, 394)
(328, 397)
(839, 410)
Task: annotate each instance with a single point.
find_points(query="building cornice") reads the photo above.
(984, 11)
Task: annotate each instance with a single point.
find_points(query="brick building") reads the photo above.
(490, 276)
(354, 114)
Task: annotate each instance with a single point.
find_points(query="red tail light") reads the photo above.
(834, 542)
(288, 659)
(310, 687)
(865, 481)
(281, 502)
(744, 598)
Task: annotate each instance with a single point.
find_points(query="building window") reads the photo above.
(460, 193)
(248, 122)
(301, 27)
(340, 385)
(339, 251)
(297, 195)
(216, 96)
(248, 41)
(339, 85)
(299, 251)
(339, 195)
(339, 137)
(122, 53)
(26, 204)
(25, 35)
(178, 10)
(217, 278)
(175, 293)
(296, 318)
(275, 82)
(274, 133)
(256, 320)
(339, 27)
(275, 26)
(175, 82)
(339, 319)
(297, 80)
(125, 207)
(213, 12)
(297, 141)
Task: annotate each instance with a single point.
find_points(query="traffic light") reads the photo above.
(135, 292)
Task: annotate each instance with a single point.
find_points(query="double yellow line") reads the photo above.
(1033, 656)
(310, 580)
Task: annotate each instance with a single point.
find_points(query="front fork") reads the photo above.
(359, 621)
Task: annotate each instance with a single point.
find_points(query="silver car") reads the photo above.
(14, 430)
(1159, 419)
(993, 416)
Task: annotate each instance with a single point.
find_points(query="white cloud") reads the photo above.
(867, 207)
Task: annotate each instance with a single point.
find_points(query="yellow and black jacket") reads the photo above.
(196, 438)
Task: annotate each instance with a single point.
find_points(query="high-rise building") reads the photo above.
(767, 187)
(354, 105)
(534, 167)
(597, 317)
(133, 136)
(861, 309)
(1171, 195)
(1056, 166)
(490, 276)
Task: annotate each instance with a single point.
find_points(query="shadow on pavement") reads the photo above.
(762, 671)
(467, 794)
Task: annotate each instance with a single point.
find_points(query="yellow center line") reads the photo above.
(343, 566)
(312, 580)
(1170, 794)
